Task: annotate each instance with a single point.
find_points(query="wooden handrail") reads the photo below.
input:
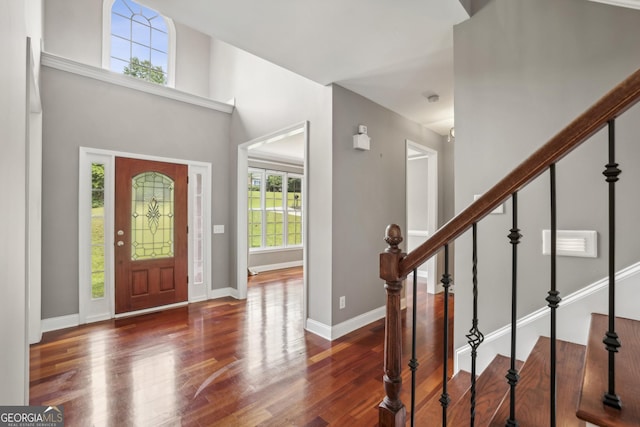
(614, 103)
(395, 266)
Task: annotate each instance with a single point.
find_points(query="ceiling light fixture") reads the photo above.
(433, 98)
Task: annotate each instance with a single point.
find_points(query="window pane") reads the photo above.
(160, 41)
(198, 243)
(120, 26)
(159, 23)
(97, 230)
(138, 18)
(141, 33)
(143, 53)
(131, 37)
(159, 59)
(273, 194)
(97, 285)
(120, 48)
(121, 7)
(294, 211)
(255, 228)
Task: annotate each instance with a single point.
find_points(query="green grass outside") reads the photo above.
(97, 252)
(274, 221)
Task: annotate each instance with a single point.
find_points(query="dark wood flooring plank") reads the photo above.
(227, 362)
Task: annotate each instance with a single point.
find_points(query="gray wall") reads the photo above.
(368, 194)
(417, 192)
(523, 70)
(270, 98)
(80, 111)
(73, 29)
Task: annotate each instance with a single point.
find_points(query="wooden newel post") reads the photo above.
(392, 412)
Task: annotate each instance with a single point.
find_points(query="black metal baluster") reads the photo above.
(512, 375)
(553, 299)
(611, 341)
(474, 336)
(413, 363)
(446, 282)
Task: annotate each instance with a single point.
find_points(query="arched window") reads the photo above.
(138, 41)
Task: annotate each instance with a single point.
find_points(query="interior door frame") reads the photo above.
(432, 204)
(91, 310)
(242, 252)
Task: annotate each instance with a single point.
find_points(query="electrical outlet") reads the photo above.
(343, 302)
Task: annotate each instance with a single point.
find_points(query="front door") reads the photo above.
(150, 234)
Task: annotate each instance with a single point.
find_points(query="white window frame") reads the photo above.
(106, 42)
(94, 310)
(264, 173)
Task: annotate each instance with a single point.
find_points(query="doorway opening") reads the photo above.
(272, 205)
(422, 204)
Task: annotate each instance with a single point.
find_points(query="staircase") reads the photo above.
(582, 382)
(560, 383)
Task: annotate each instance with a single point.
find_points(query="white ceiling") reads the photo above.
(394, 53)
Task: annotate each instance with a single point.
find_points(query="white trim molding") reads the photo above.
(334, 332)
(270, 267)
(60, 322)
(64, 64)
(224, 292)
(632, 4)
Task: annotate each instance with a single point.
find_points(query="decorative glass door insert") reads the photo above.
(152, 216)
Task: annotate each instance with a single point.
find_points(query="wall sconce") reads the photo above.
(452, 135)
(361, 140)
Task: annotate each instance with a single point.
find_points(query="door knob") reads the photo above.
(120, 233)
(120, 243)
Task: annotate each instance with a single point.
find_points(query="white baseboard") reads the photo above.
(334, 332)
(224, 292)
(358, 322)
(319, 329)
(270, 267)
(574, 315)
(98, 318)
(199, 298)
(61, 322)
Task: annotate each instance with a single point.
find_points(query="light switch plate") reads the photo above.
(218, 229)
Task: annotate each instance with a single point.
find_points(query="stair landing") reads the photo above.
(595, 381)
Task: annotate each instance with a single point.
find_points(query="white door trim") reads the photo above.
(432, 204)
(242, 254)
(91, 310)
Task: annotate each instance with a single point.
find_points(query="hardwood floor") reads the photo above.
(226, 362)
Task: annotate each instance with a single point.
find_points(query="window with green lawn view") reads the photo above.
(275, 209)
(97, 230)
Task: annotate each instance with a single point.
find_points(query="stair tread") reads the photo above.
(595, 380)
(431, 413)
(491, 389)
(532, 390)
